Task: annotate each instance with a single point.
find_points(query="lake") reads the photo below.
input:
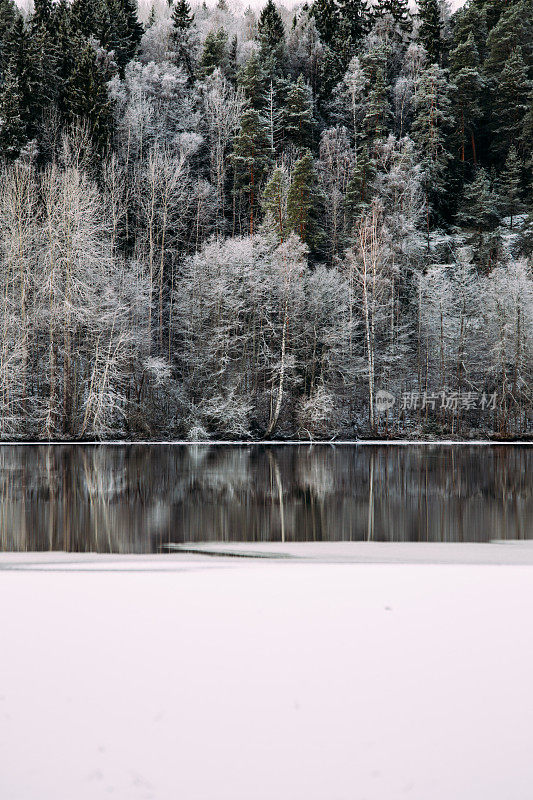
(140, 498)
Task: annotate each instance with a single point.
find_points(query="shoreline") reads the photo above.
(277, 442)
(223, 555)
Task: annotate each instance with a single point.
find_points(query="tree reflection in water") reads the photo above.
(137, 498)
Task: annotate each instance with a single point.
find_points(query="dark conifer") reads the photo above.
(430, 31)
(86, 96)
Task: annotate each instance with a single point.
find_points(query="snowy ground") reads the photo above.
(195, 677)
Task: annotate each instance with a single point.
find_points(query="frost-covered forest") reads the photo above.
(220, 223)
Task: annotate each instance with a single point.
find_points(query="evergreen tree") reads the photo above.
(527, 137)
(510, 106)
(327, 18)
(84, 16)
(305, 207)
(253, 80)
(215, 53)
(271, 35)
(251, 158)
(431, 128)
(151, 17)
(274, 201)
(341, 25)
(231, 68)
(479, 208)
(86, 95)
(470, 20)
(398, 10)
(467, 89)
(492, 10)
(465, 56)
(9, 13)
(134, 27)
(113, 23)
(510, 185)
(377, 114)
(67, 46)
(359, 189)
(184, 38)
(111, 30)
(45, 62)
(376, 109)
(270, 29)
(32, 76)
(514, 29)
(354, 23)
(42, 14)
(430, 31)
(12, 125)
(15, 49)
(182, 18)
(298, 118)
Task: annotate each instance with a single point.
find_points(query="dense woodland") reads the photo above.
(219, 223)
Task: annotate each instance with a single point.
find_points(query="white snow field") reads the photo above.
(195, 677)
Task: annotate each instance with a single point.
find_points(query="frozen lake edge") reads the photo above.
(510, 552)
(310, 677)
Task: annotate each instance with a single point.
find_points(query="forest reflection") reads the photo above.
(138, 498)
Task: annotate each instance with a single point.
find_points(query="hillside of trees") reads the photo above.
(305, 223)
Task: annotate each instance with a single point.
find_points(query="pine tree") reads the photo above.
(215, 53)
(111, 30)
(377, 114)
(467, 89)
(398, 10)
(12, 126)
(134, 27)
(298, 121)
(67, 46)
(431, 128)
(527, 136)
(270, 29)
(359, 189)
(430, 31)
(470, 20)
(114, 23)
(184, 38)
(327, 17)
(510, 106)
(231, 68)
(21, 62)
(9, 13)
(15, 48)
(86, 96)
(305, 208)
(251, 158)
(492, 9)
(253, 80)
(479, 208)
(510, 185)
(42, 14)
(84, 16)
(182, 18)
(271, 35)
(274, 201)
(354, 23)
(45, 62)
(514, 29)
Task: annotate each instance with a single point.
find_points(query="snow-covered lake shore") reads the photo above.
(309, 677)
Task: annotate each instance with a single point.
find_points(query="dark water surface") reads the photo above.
(138, 498)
